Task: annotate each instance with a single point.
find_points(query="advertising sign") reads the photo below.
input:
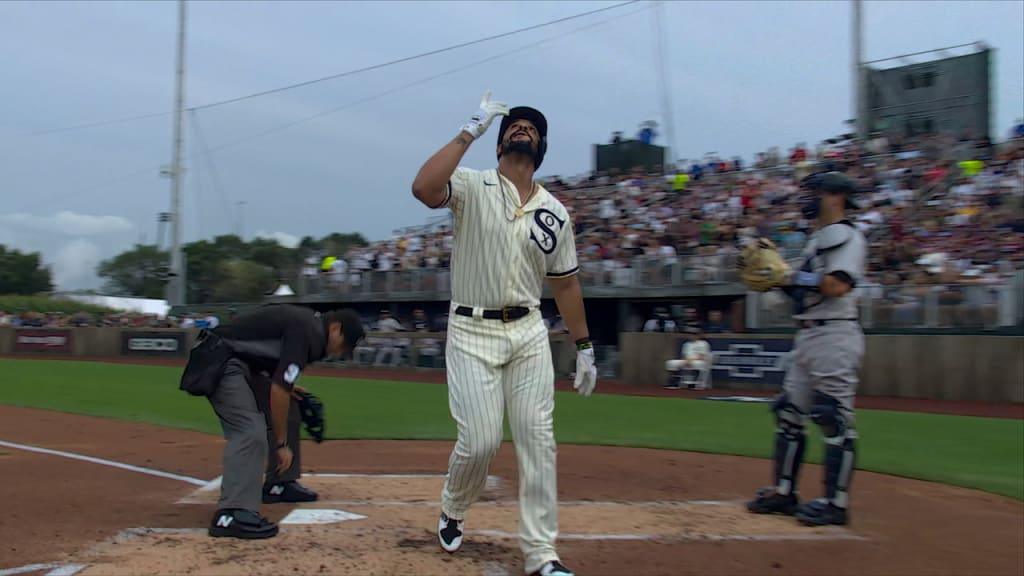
(755, 361)
(42, 340)
(153, 344)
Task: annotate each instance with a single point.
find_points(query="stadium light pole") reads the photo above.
(859, 71)
(176, 279)
(663, 77)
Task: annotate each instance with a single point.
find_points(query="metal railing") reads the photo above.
(636, 273)
(950, 307)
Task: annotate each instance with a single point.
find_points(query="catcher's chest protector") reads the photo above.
(836, 247)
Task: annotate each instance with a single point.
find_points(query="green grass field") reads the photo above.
(983, 453)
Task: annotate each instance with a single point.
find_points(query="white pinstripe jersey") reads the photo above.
(498, 258)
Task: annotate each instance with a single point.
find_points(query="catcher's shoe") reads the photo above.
(553, 568)
(768, 501)
(234, 523)
(288, 492)
(449, 533)
(821, 512)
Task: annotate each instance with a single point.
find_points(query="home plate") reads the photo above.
(318, 516)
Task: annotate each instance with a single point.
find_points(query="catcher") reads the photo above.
(828, 349)
(248, 371)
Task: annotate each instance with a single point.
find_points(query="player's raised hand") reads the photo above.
(481, 120)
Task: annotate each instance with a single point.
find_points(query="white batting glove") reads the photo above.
(586, 371)
(480, 121)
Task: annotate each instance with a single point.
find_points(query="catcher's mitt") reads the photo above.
(761, 267)
(312, 411)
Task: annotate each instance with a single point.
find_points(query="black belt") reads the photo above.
(815, 323)
(506, 314)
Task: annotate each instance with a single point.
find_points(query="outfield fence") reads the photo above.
(935, 366)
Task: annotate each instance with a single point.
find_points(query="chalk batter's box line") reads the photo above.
(194, 497)
(826, 533)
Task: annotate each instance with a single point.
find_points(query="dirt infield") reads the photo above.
(624, 511)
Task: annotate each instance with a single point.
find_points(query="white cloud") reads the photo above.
(283, 238)
(68, 223)
(75, 262)
(70, 243)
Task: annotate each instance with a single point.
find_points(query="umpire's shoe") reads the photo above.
(245, 524)
(821, 512)
(768, 501)
(288, 492)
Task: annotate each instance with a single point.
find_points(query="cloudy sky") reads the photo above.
(744, 76)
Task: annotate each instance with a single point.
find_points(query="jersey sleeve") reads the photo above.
(294, 356)
(563, 263)
(459, 188)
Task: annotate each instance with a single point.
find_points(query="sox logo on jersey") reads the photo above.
(546, 221)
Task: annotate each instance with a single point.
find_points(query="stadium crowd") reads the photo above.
(943, 215)
(936, 209)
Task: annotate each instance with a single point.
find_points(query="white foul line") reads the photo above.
(111, 463)
(66, 570)
(26, 568)
(54, 569)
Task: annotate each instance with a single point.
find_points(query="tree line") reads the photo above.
(224, 269)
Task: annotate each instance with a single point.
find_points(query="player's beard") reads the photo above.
(520, 147)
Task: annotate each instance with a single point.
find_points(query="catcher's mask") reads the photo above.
(825, 183)
(539, 122)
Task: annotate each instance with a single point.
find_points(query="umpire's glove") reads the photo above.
(586, 372)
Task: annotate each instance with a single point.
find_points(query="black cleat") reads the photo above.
(288, 492)
(821, 512)
(768, 501)
(241, 524)
(553, 568)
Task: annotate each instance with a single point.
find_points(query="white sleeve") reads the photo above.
(562, 262)
(460, 186)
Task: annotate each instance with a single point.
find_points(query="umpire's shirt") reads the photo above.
(279, 339)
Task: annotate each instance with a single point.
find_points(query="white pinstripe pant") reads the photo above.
(492, 365)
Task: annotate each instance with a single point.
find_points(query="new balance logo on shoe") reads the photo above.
(224, 521)
(277, 489)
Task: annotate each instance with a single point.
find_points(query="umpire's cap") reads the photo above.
(351, 328)
(833, 183)
(539, 122)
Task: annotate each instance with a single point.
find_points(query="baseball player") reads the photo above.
(510, 234)
(248, 370)
(827, 353)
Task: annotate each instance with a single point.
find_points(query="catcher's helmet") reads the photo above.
(832, 183)
(539, 122)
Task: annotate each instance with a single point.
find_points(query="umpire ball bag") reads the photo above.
(206, 362)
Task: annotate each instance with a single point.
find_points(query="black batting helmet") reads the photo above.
(539, 122)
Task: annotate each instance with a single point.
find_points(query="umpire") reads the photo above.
(248, 370)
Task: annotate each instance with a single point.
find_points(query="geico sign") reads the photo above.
(153, 344)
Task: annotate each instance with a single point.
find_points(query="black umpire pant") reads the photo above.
(242, 402)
